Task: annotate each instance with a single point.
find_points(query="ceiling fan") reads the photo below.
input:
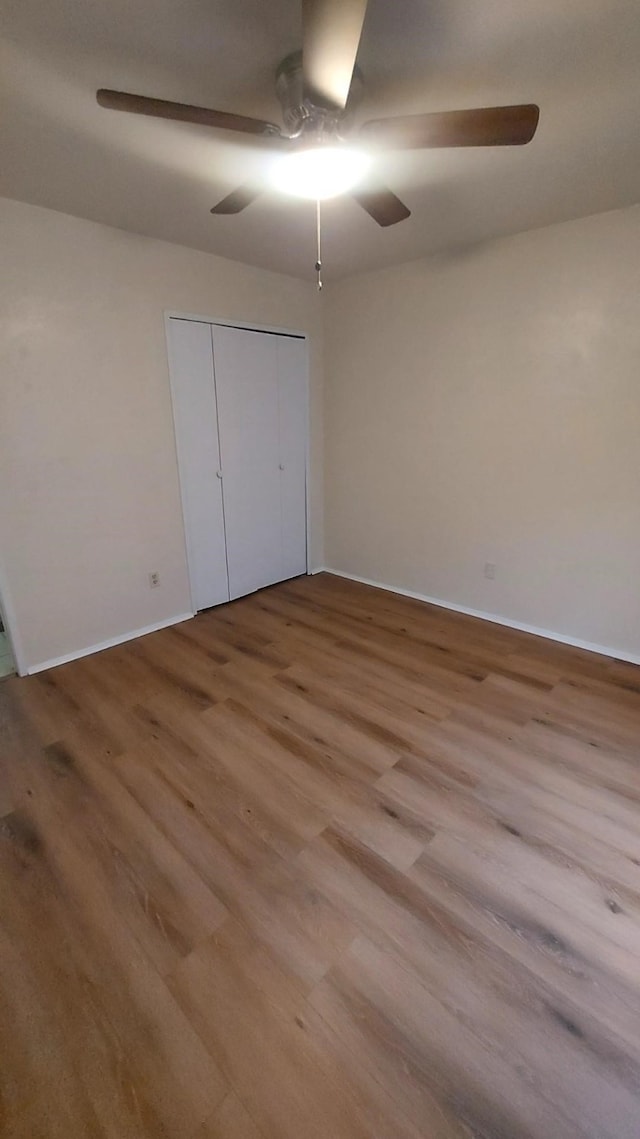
(318, 89)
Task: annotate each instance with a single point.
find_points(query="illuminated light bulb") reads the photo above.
(319, 172)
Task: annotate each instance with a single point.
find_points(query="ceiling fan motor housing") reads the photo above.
(304, 117)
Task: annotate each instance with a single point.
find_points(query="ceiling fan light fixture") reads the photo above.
(320, 172)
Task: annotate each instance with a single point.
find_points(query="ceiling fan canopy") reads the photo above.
(319, 89)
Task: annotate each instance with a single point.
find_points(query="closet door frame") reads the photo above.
(170, 314)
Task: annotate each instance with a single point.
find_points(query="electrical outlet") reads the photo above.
(154, 580)
(489, 571)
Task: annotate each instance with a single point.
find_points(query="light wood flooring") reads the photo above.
(325, 863)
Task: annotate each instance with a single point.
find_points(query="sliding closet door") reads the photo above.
(196, 426)
(246, 374)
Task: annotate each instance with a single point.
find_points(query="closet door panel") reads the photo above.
(246, 374)
(293, 419)
(196, 426)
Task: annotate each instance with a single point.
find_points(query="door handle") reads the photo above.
(219, 474)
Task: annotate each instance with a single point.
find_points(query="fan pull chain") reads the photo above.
(319, 258)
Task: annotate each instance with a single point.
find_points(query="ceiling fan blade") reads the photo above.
(382, 205)
(480, 126)
(184, 113)
(237, 200)
(331, 32)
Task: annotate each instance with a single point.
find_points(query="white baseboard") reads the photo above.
(562, 638)
(109, 644)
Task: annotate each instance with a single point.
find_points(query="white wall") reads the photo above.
(482, 408)
(486, 408)
(89, 495)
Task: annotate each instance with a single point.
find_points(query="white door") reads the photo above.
(246, 374)
(261, 390)
(196, 426)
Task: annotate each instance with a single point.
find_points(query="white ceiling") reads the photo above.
(578, 59)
